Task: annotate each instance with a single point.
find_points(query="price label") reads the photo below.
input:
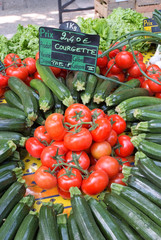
(68, 49)
(1, 66)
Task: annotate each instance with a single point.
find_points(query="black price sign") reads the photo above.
(68, 49)
(1, 66)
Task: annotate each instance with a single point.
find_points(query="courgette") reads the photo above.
(47, 222)
(16, 216)
(83, 216)
(133, 83)
(106, 223)
(46, 100)
(58, 88)
(15, 124)
(7, 111)
(6, 150)
(29, 102)
(152, 126)
(116, 98)
(152, 137)
(139, 201)
(62, 226)
(80, 79)
(69, 83)
(139, 221)
(126, 170)
(74, 232)
(17, 138)
(10, 166)
(27, 229)
(13, 99)
(145, 115)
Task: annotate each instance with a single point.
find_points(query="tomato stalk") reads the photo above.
(77, 127)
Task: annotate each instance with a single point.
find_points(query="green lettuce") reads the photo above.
(119, 22)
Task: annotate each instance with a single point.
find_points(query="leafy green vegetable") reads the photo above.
(118, 23)
(25, 42)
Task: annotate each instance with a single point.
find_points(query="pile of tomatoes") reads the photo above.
(121, 64)
(83, 148)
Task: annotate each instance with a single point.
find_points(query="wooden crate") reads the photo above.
(104, 7)
(147, 2)
(145, 9)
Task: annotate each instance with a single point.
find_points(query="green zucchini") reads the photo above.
(87, 95)
(152, 137)
(139, 201)
(58, 107)
(14, 157)
(6, 166)
(151, 149)
(11, 197)
(15, 124)
(28, 100)
(158, 163)
(8, 177)
(6, 150)
(62, 226)
(69, 83)
(17, 138)
(39, 235)
(129, 114)
(126, 170)
(116, 98)
(58, 88)
(106, 223)
(28, 227)
(48, 223)
(136, 102)
(13, 99)
(103, 91)
(46, 100)
(126, 228)
(145, 115)
(139, 221)
(145, 187)
(133, 83)
(7, 111)
(74, 232)
(15, 217)
(152, 126)
(83, 216)
(80, 79)
(148, 168)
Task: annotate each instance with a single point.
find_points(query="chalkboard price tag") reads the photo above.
(70, 26)
(1, 66)
(69, 50)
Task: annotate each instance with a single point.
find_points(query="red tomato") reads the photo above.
(37, 56)
(52, 155)
(118, 123)
(42, 135)
(3, 80)
(102, 131)
(113, 53)
(81, 157)
(64, 195)
(134, 70)
(55, 70)
(95, 183)
(122, 162)
(117, 179)
(34, 147)
(108, 164)
(54, 126)
(76, 113)
(158, 95)
(92, 160)
(30, 64)
(100, 149)
(124, 60)
(28, 80)
(138, 55)
(78, 141)
(145, 85)
(97, 113)
(2, 91)
(126, 148)
(112, 138)
(120, 76)
(37, 76)
(12, 58)
(63, 73)
(19, 72)
(101, 61)
(43, 179)
(104, 71)
(153, 69)
(154, 87)
(113, 67)
(60, 145)
(65, 182)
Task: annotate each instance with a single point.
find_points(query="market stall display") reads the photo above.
(69, 140)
